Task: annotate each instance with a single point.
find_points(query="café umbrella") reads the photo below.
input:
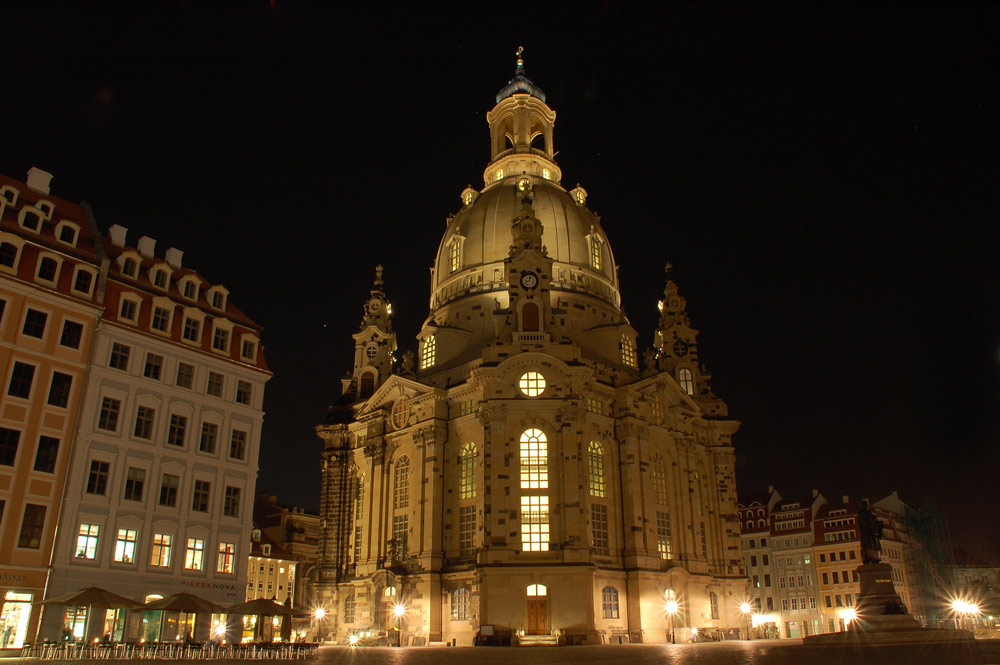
(262, 607)
(92, 598)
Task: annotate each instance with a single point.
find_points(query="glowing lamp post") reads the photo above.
(671, 609)
(318, 615)
(398, 611)
(745, 610)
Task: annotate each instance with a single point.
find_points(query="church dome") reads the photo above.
(478, 239)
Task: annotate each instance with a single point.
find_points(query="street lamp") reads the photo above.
(745, 609)
(318, 615)
(671, 609)
(398, 611)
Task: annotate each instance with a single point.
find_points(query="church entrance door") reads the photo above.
(537, 616)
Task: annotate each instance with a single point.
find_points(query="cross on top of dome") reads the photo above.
(520, 82)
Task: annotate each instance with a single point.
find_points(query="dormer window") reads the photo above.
(128, 307)
(163, 309)
(192, 329)
(628, 351)
(8, 254)
(30, 218)
(546, 174)
(130, 266)
(217, 297)
(46, 208)
(161, 278)
(83, 281)
(499, 174)
(48, 269)
(427, 352)
(595, 251)
(455, 255)
(67, 232)
(190, 291)
(248, 348)
(220, 336)
(468, 196)
(9, 194)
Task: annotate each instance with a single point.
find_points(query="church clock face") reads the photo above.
(375, 306)
(680, 348)
(529, 280)
(527, 228)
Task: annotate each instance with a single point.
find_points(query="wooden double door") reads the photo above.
(538, 619)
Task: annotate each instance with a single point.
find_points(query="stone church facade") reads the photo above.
(527, 473)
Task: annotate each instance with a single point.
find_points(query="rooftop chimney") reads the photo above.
(147, 246)
(39, 180)
(815, 493)
(845, 498)
(173, 257)
(118, 234)
(770, 489)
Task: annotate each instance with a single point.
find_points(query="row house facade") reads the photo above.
(49, 310)
(130, 418)
(802, 557)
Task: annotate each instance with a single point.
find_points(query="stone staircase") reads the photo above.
(538, 641)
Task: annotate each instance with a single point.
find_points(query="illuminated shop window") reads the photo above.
(532, 384)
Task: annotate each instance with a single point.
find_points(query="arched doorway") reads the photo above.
(538, 610)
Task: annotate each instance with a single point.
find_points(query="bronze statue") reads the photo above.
(870, 528)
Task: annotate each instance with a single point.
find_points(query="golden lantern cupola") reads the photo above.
(521, 131)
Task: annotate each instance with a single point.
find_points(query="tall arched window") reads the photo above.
(686, 379)
(460, 604)
(455, 255)
(427, 352)
(628, 350)
(660, 480)
(595, 252)
(359, 501)
(657, 408)
(534, 459)
(467, 471)
(529, 317)
(367, 385)
(595, 466)
(609, 602)
(349, 608)
(401, 483)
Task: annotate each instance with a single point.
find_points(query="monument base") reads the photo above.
(883, 621)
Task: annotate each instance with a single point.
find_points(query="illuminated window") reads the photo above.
(657, 408)
(357, 544)
(455, 255)
(595, 252)
(427, 352)
(499, 174)
(532, 384)
(686, 379)
(359, 502)
(400, 533)
(535, 524)
(546, 174)
(194, 556)
(594, 405)
(125, 546)
(537, 590)
(467, 530)
(467, 471)
(663, 544)
(534, 460)
(401, 412)
(227, 558)
(460, 604)
(161, 550)
(86, 541)
(628, 350)
(609, 602)
(595, 464)
(599, 527)
(401, 483)
(660, 480)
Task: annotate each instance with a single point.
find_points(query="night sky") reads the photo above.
(824, 179)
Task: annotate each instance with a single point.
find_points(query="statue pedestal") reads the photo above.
(884, 628)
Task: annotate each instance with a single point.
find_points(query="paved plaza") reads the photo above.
(784, 652)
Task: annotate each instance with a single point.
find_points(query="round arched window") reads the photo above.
(532, 384)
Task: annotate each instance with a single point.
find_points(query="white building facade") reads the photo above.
(161, 485)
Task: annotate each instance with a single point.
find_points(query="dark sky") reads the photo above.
(824, 179)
